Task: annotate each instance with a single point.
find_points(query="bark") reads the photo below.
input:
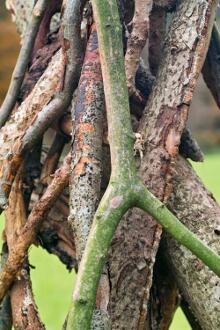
(196, 208)
(136, 42)
(87, 145)
(23, 60)
(24, 310)
(131, 265)
(157, 35)
(5, 307)
(11, 135)
(211, 66)
(28, 233)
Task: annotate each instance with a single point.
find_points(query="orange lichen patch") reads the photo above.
(86, 128)
(80, 166)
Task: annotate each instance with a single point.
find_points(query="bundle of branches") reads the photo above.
(100, 202)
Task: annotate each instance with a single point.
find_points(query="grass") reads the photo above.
(52, 283)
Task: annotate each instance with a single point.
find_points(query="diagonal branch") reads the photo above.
(28, 233)
(24, 309)
(73, 56)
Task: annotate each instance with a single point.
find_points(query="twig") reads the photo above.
(28, 233)
(136, 42)
(22, 62)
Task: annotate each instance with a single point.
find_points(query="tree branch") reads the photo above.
(22, 62)
(136, 42)
(87, 145)
(124, 189)
(29, 231)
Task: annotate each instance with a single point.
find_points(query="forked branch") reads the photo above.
(125, 189)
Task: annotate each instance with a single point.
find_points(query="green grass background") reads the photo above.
(52, 283)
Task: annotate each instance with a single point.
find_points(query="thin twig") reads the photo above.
(23, 59)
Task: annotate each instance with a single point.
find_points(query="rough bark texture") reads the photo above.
(196, 208)
(87, 145)
(136, 42)
(136, 241)
(24, 311)
(11, 135)
(28, 233)
(157, 34)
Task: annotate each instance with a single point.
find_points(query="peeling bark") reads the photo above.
(11, 135)
(24, 310)
(28, 233)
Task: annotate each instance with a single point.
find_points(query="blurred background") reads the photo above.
(52, 283)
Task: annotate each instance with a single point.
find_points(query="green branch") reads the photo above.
(125, 189)
(149, 203)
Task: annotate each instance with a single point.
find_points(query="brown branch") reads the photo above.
(199, 286)
(157, 33)
(73, 56)
(11, 134)
(5, 306)
(44, 28)
(162, 125)
(87, 146)
(28, 233)
(136, 42)
(24, 311)
(22, 62)
(52, 158)
(211, 68)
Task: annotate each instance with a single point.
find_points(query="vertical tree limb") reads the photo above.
(136, 42)
(87, 145)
